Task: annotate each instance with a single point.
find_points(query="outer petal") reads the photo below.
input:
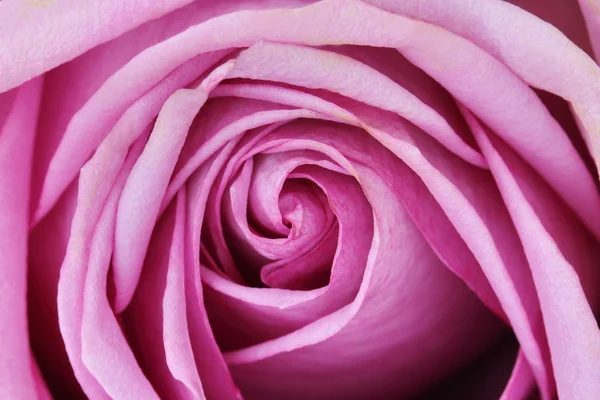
(563, 263)
(17, 136)
(39, 35)
(104, 350)
(536, 51)
(563, 15)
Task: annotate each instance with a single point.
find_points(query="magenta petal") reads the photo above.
(214, 373)
(333, 352)
(272, 312)
(17, 136)
(521, 382)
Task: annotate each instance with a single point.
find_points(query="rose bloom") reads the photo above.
(289, 199)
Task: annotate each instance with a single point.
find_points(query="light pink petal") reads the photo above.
(96, 183)
(562, 259)
(536, 51)
(563, 15)
(591, 13)
(40, 36)
(313, 68)
(104, 351)
(71, 139)
(180, 357)
(248, 27)
(143, 193)
(160, 338)
(17, 136)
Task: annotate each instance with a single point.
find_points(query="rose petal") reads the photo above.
(468, 198)
(80, 135)
(563, 15)
(313, 68)
(591, 13)
(156, 318)
(17, 136)
(264, 323)
(33, 43)
(104, 350)
(312, 347)
(561, 257)
(142, 195)
(92, 196)
(535, 51)
(246, 28)
(209, 359)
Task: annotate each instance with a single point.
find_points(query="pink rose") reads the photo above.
(299, 200)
